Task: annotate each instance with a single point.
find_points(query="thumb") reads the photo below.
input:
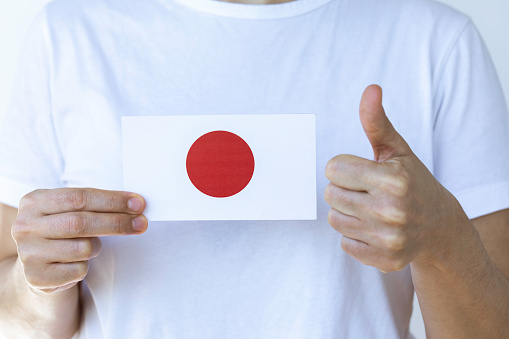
(386, 142)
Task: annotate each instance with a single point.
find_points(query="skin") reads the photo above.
(392, 213)
(56, 232)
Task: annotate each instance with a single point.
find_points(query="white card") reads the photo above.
(222, 167)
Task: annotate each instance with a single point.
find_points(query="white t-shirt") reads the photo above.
(86, 63)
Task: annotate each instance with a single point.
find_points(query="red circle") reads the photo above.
(220, 164)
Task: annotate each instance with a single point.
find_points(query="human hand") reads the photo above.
(57, 231)
(391, 211)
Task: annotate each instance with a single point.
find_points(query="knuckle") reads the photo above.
(393, 265)
(112, 203)
(335, 221)
(334, 165)
(35, 282)
(35, 279)
(76, 271)
(97, 247)
(331, 217)
(85, 248)
(396, 183)
(75, 224)
(397, 265)
(337, 196)
(80, 270)
(397, 167)
(393, 215)
(118, 223)
(328, 193)
(27, 258)
(347, 245)
(330, 168)
(30, 198)
(77, 199)
(395, 243)
(344, 245)
(47, 290)
(401, 186)
(386, 268)
(20, 230)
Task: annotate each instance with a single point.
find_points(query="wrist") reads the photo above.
(456, 240)
(54, 314)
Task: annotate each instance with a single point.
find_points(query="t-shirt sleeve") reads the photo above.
(471, 132)
(29, 152)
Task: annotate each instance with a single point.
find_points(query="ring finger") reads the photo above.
(71, 250)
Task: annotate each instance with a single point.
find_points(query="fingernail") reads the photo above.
(139, 223)
(135, 204)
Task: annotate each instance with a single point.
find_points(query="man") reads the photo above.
(87, 63)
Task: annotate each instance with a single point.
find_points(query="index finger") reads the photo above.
(353, 173)
(62, 200)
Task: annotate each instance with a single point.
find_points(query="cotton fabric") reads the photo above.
(85, 64)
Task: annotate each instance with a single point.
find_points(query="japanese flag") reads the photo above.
(222, 167)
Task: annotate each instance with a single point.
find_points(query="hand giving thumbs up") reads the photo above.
(391, 211)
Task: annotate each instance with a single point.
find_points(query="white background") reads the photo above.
(490, 16)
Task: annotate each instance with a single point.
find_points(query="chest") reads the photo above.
(186, 73)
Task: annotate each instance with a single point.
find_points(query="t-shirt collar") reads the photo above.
(260, 12)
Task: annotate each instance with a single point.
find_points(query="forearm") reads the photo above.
(26, 313)
(461, 293)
